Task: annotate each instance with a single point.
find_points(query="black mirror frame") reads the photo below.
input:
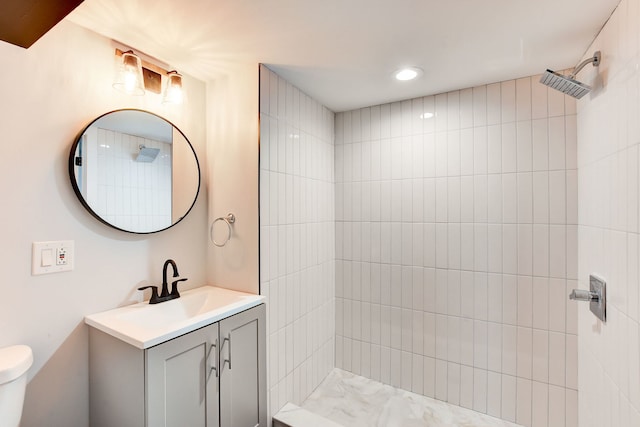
(74, 184)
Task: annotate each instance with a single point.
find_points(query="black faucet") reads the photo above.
(165, 291)
(165, 295)
(154, 294)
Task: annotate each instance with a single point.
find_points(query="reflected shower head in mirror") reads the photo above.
(568, 84)
(147, 155)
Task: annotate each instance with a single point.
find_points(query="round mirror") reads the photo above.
(134, 171)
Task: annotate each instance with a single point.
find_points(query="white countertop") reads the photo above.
(144, 325)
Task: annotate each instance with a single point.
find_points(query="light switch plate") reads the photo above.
(51, 257)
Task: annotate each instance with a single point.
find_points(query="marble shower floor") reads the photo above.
(355, 401)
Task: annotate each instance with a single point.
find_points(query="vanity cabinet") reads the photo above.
(214, 376)
(243, 376)
(182, 381)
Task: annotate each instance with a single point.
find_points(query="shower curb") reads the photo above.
(294, 416)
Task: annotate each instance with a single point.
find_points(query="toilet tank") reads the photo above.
(15, 361)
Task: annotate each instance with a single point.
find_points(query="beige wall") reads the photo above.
(49, 93)
(232, 175)
(609, 194)
(185, 176)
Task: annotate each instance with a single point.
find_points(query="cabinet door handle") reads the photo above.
(214, 366)
(228, 360)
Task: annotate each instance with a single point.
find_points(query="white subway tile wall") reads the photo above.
(297, 238)
(456, 243)
(128, 194)
(609, 133)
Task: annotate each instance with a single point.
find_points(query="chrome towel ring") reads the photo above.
(229, 219)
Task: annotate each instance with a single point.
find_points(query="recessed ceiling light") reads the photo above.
(426, 115)
(408, 73)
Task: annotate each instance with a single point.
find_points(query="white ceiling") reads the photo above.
(137, 123)
(343, 52)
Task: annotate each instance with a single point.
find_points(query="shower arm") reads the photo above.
(595, 60)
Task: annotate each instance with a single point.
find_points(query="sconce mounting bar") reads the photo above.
(152, 74)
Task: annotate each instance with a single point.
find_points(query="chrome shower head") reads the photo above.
(568, 84)
(565, 84)
(147, 155)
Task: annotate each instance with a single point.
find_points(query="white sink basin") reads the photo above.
(144, 325)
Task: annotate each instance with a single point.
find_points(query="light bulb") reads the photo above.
(408, 73)
(173, 92)
(129, 75)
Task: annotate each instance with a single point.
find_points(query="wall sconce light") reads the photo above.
(173, 90)
(134, 76)
(129, 74)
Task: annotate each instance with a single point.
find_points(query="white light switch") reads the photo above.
(47, 258)
(51, 257)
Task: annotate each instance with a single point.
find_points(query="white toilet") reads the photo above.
(15, 361)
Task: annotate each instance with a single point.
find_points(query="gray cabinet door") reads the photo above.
(243, 400)
(181, 381)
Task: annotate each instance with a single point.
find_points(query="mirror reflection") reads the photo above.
(135, 171)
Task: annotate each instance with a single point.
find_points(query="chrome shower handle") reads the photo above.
(582, 295)
(596, 296)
